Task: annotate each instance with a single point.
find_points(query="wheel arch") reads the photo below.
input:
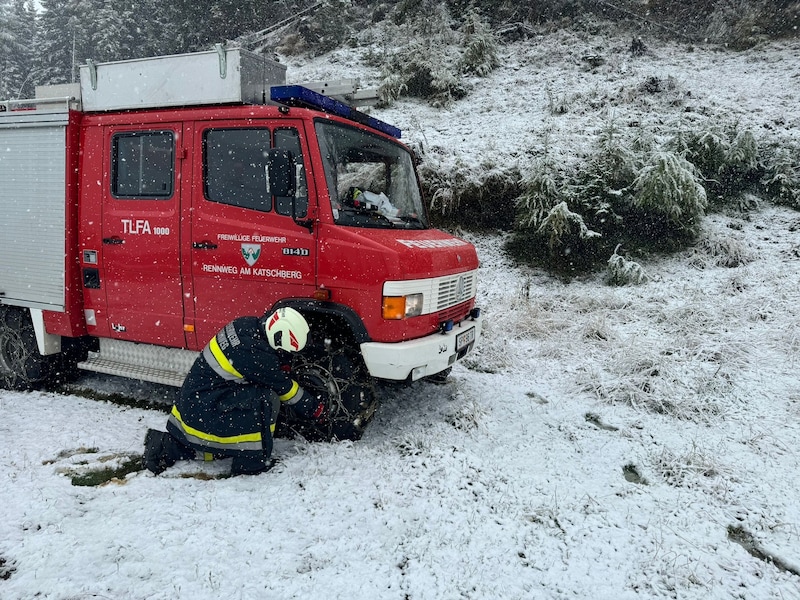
(330, 317)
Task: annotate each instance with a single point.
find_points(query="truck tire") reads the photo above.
(21, 365)
(336, 373)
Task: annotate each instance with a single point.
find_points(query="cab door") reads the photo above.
(141, 273)
(247, 250)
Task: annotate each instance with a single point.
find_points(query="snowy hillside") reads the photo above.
(603, 442)
(547, 93)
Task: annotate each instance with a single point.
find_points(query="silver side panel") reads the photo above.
(215, 77)
(32, 205)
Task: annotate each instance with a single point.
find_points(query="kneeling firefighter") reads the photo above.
(230, 399)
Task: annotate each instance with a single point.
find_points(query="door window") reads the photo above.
(288, 139)
(235, 165)
(143, 164)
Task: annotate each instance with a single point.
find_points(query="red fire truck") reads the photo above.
(146, 208)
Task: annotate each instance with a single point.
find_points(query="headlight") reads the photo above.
(402, 307)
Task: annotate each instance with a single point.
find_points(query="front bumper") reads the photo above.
(422, 357)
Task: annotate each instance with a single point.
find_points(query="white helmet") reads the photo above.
(286, 330)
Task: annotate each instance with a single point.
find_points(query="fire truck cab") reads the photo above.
(170, 195)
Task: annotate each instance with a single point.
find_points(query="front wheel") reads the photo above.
(334, 372)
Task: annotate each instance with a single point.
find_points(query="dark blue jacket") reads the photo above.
(225, 403)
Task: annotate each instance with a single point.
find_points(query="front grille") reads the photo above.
(457, 313)
(456, 289)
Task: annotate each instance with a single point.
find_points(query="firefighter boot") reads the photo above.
(244, 464)
(161, 450)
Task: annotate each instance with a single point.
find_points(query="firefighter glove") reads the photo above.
(310, 407)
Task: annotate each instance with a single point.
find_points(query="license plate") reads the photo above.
(465, 338)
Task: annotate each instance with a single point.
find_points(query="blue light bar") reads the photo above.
(297, 95)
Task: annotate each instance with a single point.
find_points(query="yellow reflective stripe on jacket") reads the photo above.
(291, 393)
(234, 439)
(222, 359)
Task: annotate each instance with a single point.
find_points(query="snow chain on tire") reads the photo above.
(21, 365)
(337, 374)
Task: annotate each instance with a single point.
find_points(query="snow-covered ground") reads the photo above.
(636, 442)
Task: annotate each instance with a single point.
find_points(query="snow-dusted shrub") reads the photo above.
(421, 72)
(597, 192)
(562, 242)
(428, 66)
(292, 45)
(526, 12)
(481, 46)
(737, 24)
(541, 192)
(706, 149)
(725, 251)
(734, 23)
(329, 26)
(727, 156)
(562, 228)
(782, 177)
(469, 195)
(669, 198)
(601, 185)
(622, 271)
(743, 154)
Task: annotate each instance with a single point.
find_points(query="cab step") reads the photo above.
(146, 362)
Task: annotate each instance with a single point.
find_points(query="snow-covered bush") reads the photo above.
(782, 177)
(421, 71)
(329, 26)
(601, 185)
(473, 196)
(723, 251)
(669, 199)
(541, 192)
(562, 227)
(735, 23)
(738, 24)
(741, 24)
(727, 156)
(480, 47)
(622, 271)
(706, 148)
(428, 64)
(562, 242)
(569, 242)
(743, 153)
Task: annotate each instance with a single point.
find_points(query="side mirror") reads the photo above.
(280, 173)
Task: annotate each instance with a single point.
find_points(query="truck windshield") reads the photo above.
(371, 180)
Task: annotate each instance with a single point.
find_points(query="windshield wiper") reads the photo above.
(412, 220)
(373, 215)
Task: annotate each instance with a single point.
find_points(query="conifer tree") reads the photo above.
(56, 43)
(16, 44)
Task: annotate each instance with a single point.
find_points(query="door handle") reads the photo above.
(113, 241)
(204, 245)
